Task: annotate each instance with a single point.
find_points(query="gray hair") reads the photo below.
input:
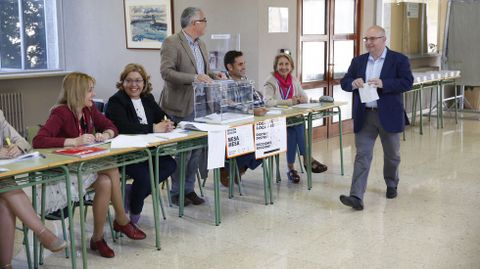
(188, 15)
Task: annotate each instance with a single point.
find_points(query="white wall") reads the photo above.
(95, 44)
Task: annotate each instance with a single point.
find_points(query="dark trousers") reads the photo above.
(141, 180)
(248, 161)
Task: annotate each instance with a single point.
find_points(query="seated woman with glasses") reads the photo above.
(134, 111)
(72, 122)
(15, 203)
(282, 88)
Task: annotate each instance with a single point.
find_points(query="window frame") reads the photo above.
(55, 49)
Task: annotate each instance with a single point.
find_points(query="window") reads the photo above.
(28, 35)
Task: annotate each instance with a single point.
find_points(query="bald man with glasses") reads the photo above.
(389, 73)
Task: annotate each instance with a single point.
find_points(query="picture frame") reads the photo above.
(147, 23)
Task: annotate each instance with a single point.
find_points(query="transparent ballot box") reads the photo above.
(223, 101)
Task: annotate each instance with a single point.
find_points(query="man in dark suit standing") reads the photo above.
(389, 72)
(183, 61)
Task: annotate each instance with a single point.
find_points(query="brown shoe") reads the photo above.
(193, 197)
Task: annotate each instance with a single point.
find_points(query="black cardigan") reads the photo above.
(121, 112)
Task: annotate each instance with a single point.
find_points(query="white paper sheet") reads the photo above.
(306, 105)
(190, 125)
(128, 141)
(368, 93)
(172, 135)
(216, 149)
(28, 156)
(274, 111)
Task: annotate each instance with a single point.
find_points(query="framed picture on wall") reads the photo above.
(147, 23)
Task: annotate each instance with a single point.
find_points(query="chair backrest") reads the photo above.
(100, 104)
(32, 132)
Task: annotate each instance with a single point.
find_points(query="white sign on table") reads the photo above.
(270, 137)
(240, 140)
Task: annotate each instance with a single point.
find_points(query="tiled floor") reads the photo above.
(433, 223)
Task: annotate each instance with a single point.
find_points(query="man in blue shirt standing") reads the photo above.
(389, 72)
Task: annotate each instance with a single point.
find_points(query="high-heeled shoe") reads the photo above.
(50, 241)
(130, 230)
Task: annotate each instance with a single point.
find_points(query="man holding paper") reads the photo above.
(387, 73)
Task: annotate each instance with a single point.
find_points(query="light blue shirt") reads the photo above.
(374, 67)
(195, 47)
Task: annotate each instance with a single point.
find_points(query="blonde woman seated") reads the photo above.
(282, 88)
(16, 203)
(72, 122)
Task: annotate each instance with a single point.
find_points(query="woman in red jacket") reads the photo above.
(72, 122)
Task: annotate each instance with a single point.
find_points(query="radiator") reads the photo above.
(12, 107)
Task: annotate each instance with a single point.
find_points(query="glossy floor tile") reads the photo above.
(433, 223)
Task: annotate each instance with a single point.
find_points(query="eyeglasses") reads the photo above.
(373, 38)
(202, 20)
(136, 81)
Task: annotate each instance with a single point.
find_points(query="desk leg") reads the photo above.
(414, 107)
(308, 149)
(216, 188)
(82, 216)
(420, 93)
(155, 197)
(340, 138)
(71, 223)
(156, 184)
(265, 179)
(35, 239)
(270, 178)
(438, 105)
(181, 195)
(455, 103)
(441, 105)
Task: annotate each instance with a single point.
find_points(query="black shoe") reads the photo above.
(176, 199)
(193, 197)
(391, 192)
(352, 202)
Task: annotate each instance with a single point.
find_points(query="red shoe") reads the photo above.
(130, 230)
(102, 247)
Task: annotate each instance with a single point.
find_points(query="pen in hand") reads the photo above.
(7, 139)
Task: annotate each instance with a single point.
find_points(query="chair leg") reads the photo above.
(277, 163)
(199, 183)
(168, 192)
(300, 160)
(114, 234)
(27, 246)
(161, 202)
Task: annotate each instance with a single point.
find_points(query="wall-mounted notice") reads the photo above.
(240, 140)
(270, 137)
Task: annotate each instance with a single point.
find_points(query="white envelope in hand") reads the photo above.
(368, 93)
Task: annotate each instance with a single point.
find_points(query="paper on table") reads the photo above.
(368, 93)
(273, 111)
(306, 105)
(216, 149)
(28, 156)
(128, 141)
(176, 133)
(190, 125)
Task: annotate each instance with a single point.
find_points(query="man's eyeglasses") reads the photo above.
(136, 81)
(202, 20)
(373, 38)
